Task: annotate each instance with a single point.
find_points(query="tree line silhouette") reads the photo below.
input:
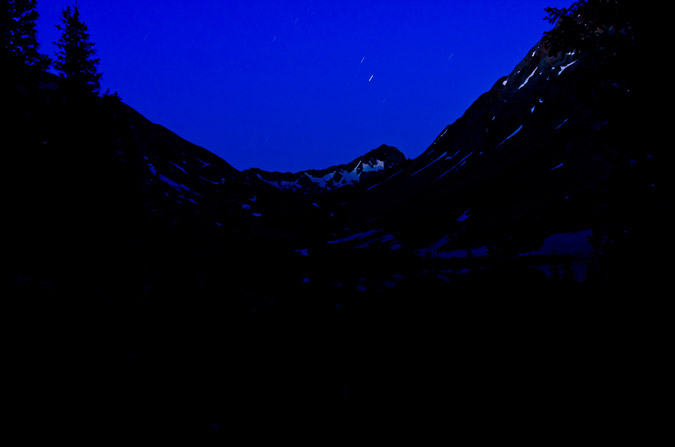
(75, 58)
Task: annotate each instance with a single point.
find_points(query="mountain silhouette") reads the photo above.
(536, 221)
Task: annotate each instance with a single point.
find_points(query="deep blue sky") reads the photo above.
(300, 84)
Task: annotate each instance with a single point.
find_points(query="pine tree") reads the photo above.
(19, 34)
(75, 58)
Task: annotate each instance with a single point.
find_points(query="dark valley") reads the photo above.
(534, 232)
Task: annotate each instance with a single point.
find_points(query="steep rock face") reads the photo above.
(376, 162)
(533, 157)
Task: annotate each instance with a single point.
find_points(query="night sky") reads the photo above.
(292, 85)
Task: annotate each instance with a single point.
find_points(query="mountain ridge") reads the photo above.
(312, 181)
(532, 157)
(534, 234)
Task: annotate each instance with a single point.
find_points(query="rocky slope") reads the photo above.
(532, 161)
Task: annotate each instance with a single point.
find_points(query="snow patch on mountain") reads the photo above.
(565, 66)
(420, 170)
(528, 78)
(510, 136)
(281, 184)
(354, 237)
(321, 181)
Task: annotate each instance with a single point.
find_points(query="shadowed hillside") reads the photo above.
(529, 242)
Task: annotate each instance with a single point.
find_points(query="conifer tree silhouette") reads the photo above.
(75, 57)
(19, 34)
(587, 23)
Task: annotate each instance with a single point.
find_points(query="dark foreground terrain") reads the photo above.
(522, 261)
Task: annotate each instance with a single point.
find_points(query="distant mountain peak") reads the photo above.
(312, 181)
